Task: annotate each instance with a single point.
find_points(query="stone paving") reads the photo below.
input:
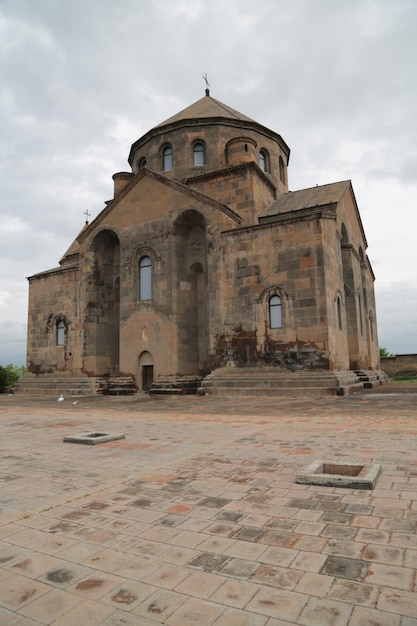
(195, 517)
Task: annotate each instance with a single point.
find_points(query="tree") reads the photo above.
(3, 379)
(384, 354)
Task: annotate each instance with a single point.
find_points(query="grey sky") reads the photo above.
(80, 81)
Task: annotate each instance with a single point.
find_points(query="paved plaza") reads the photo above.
(195, 518)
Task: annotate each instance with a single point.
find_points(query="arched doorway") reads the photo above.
(145, 371)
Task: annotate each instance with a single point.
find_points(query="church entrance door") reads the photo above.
(145, 375)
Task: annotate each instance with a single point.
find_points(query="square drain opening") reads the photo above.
(349, 475)
(92, 439)
(341, 470)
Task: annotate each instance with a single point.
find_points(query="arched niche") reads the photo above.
(190, 237)
(103, 304)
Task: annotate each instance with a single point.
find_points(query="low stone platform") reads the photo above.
(268, 381)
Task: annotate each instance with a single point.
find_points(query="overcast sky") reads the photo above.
(80, 81)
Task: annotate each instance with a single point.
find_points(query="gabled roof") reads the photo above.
(206, 107)
(168, 182)
(307, 198)
(74, 248)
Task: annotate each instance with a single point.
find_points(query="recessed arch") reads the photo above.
(141, 163)
(344, 235)
(281, 165)
(339, 310)
(103, 303)
(190, 236)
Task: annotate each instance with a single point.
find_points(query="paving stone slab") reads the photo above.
(342, 567)
(65, 575)
(210, 562)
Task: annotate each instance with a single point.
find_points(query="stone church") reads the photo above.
(205, 267)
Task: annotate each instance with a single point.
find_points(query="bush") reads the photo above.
(9, 375)
(3, 379)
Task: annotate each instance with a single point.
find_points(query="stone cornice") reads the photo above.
(230, 170)
(327, 212)
(55, 270)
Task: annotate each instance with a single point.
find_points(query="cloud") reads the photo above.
(397, 329)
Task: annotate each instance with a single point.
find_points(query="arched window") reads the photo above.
(60, 333)
(275, 312)
(360, 313)
(263, 160)
(339, 313)
(141, 163)
(167, 158)
(371, 325)
(198, 152)
(145, 278)
(281, 170)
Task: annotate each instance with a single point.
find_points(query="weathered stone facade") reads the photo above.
(203, 260)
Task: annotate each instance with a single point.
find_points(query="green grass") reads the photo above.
(409, 378)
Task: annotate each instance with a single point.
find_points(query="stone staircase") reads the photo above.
(276, 382)
(371, 379)
(120, 386)
(176, 385)
(73, 386)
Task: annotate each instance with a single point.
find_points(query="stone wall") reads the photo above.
(400, 365)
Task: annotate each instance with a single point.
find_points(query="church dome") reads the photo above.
(210, 136)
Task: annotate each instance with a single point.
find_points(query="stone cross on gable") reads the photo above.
(87, 215)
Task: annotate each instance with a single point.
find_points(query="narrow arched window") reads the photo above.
(167, 158)
(145, 278)
(371, 325)
(339, 313)
(60, 333)
(281, 170)
(263, 164)
(275, 312)
(141, 163)
(198, 152)
(360, 313)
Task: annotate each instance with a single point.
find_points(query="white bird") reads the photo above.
(75, 402)
(61, 398)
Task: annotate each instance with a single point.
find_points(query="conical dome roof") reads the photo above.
(205, 111)
(204, 108)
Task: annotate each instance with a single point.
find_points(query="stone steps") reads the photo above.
(181, 385)
(270, 382)
(371, 379)
(72, 386)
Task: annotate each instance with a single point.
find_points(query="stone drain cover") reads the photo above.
(349, 475)
(92, 439)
